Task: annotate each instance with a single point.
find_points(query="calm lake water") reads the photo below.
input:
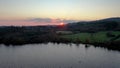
(57, 56)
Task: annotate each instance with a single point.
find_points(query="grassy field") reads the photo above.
(99, 37)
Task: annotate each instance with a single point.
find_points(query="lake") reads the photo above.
(58, 56)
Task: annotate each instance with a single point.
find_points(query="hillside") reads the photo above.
(98, 25)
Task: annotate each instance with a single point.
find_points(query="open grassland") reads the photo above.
(99, 37)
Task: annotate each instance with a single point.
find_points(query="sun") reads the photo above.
(62, 24)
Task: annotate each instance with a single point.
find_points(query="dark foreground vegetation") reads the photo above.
(104, 33)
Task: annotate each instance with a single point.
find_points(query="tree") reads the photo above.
(110, 25)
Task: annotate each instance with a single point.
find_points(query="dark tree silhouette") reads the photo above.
(110, 25)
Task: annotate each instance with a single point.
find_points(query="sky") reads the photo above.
(47, 12)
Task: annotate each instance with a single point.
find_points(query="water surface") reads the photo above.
(58, 56)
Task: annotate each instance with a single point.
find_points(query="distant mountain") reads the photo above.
(97, 25)
(117, 19)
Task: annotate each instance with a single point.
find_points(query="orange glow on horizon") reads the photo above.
(62, 24)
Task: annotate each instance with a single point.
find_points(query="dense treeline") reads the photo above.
(31, 34)
(22, 35)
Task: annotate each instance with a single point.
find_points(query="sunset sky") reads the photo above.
(47, 12)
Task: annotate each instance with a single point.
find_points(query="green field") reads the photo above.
(99, 37)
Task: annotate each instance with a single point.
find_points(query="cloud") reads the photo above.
(69, 21)
(50, 20)
(42, 20)
(34, 21)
